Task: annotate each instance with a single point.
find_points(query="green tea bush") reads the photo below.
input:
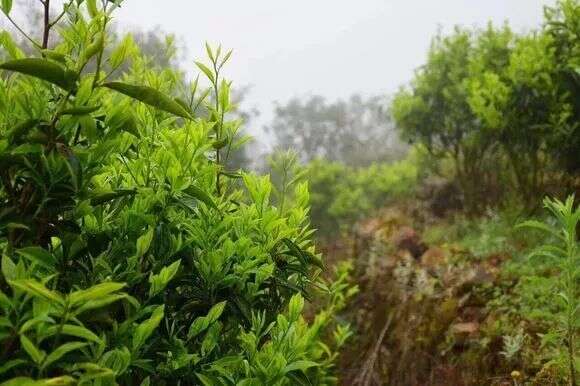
(563, 254)
(130, 254)
(341, 194)
(502, 106)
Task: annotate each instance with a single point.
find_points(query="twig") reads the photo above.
(47, 25)
(365, 375)
(31, 40)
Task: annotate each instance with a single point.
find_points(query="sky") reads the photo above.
(332, 48)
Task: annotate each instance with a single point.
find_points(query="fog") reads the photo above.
(324, 47)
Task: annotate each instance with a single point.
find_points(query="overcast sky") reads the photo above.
(330, 47)
(333, 48)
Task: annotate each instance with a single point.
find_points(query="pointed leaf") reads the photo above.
(102, 198)
(202, 196)
(80, 110)
(206, 71)
(37, 289)
(73, 330)
(34, 352)
(21, 129)
(95, 292)
(5, 367)
(145, 329)
(39, 256)
(6, 6)
(42, 69)
(149, 96)
(61, 351)
(300, 365)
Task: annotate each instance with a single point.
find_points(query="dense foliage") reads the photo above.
(130, 254)
(342, 194)
(503, 106)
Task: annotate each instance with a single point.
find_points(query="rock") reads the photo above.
(405, 238)
(474, 277)
(433, 257)
(465, 330)
(367, 228)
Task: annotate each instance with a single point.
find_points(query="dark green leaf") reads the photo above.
(80, 110)
(6, 6)
(21, 129)
(42, 69)
(145, 329)
(11, 364)
(61, 351)
(219, 144)
(102, 198)
(39, 256)
(202, 196)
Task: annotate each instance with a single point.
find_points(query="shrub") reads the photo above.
(563, 253)
(130, 254)
(343, 194)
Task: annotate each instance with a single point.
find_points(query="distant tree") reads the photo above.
(435, 111)
(357, 131)
(504, 107)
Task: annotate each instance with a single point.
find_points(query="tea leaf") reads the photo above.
(151, 97)
(34, 352)
(145, 329)
(42, 69)
(60, 351)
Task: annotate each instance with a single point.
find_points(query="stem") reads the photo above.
(571, 294)
(130, 171)
(55, 21)
(219, 128)
(100, 55)
(61, 324)
(31, 40)
(283, 197)
(47, 25)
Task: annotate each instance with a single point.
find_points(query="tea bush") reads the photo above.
(342, 195)
(130, 254)
(502, 106)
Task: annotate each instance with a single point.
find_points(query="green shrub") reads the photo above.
(563, 253)
(502, 107)
(130, 255)
(341, 194)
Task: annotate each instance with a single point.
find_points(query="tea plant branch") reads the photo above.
(26, 36)
(61, 15)
(220, 123)
(129, 169)
(365, 376)
(46, 29)
(100, 53)
(572, 307)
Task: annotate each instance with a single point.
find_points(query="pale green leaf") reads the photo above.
(151, 97)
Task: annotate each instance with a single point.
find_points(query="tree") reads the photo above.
(357, 131)
(435, 111)
(503, 107)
